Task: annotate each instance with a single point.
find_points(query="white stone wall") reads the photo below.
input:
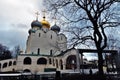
(62, 42)
(33, 67)
(46, 41)
(7, 68)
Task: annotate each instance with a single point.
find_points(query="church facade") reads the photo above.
(46, 50)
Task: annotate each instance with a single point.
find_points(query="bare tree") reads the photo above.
(78, 37)
(16, 51)
(94, 14)
(113, 41)
(5, 53)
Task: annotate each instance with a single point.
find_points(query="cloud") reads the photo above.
(15, 20)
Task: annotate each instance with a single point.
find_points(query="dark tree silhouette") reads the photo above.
(93, 14)
(5, 53)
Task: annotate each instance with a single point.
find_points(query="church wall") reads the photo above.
(69, 53)
(34, 67)
(40, 39)
(8, 67)
(62, 42)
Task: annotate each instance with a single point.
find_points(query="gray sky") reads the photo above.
(15, 20)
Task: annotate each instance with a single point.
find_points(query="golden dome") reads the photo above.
(45, 23)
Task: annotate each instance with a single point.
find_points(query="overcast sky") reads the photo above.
(15, 20)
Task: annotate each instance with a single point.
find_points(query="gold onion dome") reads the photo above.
(45, 23)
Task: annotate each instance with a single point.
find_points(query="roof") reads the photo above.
(64, 52)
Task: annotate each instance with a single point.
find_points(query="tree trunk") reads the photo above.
(100, 62)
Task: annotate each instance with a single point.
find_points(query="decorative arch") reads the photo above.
(27, 60)
(71, 62)
(27, 70)
(5, 65)
(41, 61)
(10, 63)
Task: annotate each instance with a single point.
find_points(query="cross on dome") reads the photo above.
(55, 19)
(44, 11)
(37, 14)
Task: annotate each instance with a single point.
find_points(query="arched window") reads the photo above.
(4, 65)
(41, 61)
(27, 60)
(14, 63)
(38, 51)
(10, 63)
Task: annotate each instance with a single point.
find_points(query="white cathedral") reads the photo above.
(46, 50)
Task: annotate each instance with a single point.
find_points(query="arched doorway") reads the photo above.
(27, 60)
(41, 61)
(26, 70)
(71, 62)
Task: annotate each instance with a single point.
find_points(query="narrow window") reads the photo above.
(51, 52)
(56, 63)
(61, 37)
(39, 34)
(51, 37)
(53, 63)
(58, 38)
(38, 51)
(14, 63)
(50, 62)
(10, 63)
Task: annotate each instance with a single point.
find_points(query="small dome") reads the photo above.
(36, 23)
(55, 28)
(31, 31)
(46, 23)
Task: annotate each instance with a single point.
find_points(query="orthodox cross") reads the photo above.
(55, 19)
(44, 11)
(37, 14)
